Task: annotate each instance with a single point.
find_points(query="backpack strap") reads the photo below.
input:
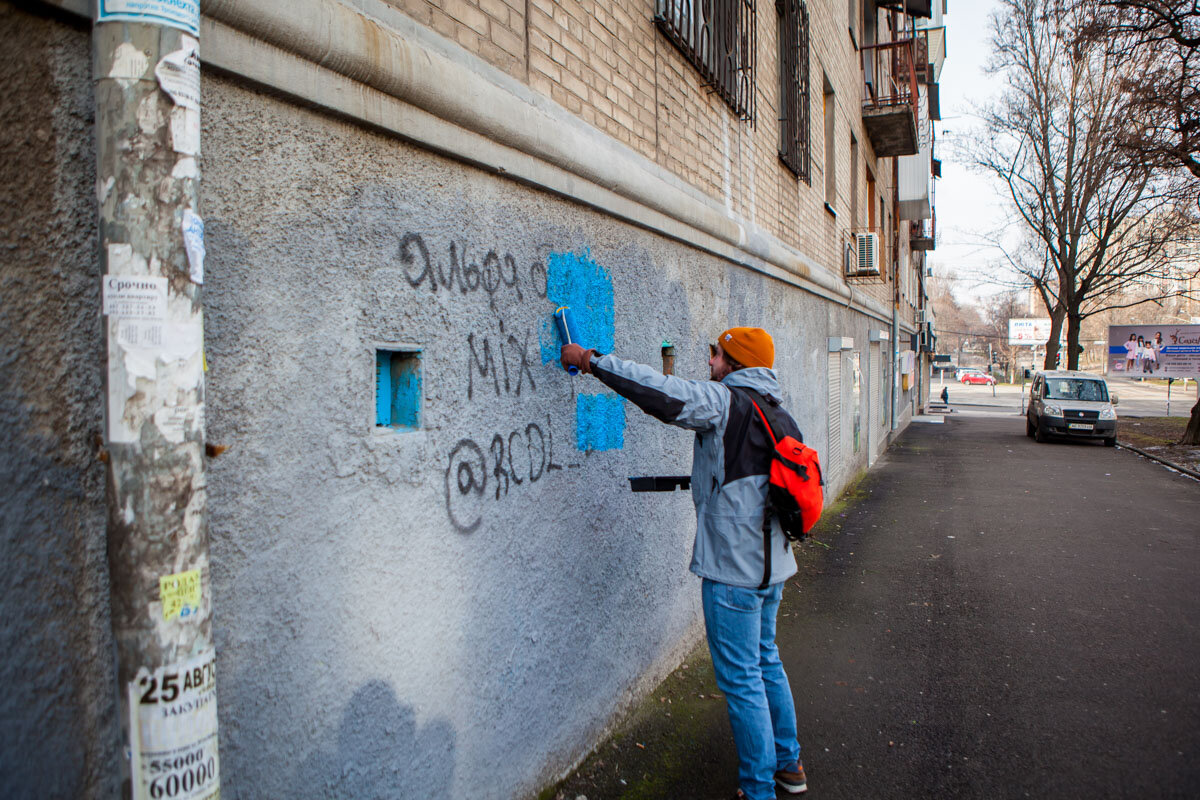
(766, 526)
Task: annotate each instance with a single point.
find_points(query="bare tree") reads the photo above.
(1098, 219)
(1158, 41)
(998, 310)
(958, 324)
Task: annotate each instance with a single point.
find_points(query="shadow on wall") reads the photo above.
(378, 751)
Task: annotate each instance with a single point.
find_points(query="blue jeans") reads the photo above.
(740, 624)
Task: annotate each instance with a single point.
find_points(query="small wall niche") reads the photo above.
(398, 389)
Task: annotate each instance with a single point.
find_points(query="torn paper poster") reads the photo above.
(135, 297)
(181, 14)
(185, 130)
(193, 242)
(173, 730)
(178, 74)
(129, 63)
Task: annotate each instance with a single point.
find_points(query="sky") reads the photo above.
(968, 206)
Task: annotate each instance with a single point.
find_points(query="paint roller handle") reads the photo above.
(566, 331)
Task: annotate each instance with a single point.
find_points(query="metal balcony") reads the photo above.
(890, 96)
(923, 234)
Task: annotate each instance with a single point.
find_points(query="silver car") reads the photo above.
(1072, 404)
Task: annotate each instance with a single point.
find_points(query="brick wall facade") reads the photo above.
(607, 63)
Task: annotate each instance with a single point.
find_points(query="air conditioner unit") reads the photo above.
(866, 248)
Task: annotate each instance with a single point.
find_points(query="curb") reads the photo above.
(1189, 472)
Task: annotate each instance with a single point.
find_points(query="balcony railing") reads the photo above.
(923, 233)
(890, 96)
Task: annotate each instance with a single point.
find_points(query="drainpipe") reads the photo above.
(895, 393)
(146, 71)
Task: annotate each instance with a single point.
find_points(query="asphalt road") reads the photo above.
(993, 618)
(1136, 399)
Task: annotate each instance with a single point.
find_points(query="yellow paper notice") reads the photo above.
(180, 594)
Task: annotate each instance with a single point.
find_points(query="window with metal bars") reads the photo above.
(718, 38)
(794, 139)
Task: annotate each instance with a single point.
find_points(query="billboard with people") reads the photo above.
(1154, 351)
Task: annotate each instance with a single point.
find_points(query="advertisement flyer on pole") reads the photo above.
(181, 14)
(1153, 351)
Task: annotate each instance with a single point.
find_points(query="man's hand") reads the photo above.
(572, 355)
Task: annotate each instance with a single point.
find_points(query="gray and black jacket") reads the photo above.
(730, 463)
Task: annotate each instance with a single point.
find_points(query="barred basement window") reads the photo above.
(794, 140)
(718, 38)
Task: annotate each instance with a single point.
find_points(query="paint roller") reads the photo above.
(566, 331)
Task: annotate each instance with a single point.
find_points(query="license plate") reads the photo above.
(1079, 426)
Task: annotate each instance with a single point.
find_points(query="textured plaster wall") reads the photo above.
(479, 596)
(57, 709)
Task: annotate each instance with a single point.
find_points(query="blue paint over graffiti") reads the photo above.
(599, 422)
(548, 341)
(575, 280)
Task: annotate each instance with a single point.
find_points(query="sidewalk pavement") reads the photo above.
(962, 625)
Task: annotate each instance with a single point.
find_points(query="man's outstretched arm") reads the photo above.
(696, 405)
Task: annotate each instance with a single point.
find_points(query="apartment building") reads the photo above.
(427, 563)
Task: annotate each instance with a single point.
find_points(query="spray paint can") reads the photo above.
(566, 331)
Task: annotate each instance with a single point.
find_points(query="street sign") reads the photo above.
(1153, 351)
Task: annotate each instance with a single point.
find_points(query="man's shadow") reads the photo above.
(378, 753)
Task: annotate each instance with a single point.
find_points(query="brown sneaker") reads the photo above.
(792, 780)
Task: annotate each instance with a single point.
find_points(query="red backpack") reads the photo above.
(794, 485)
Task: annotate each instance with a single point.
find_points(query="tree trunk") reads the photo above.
(1074, 323)
(1056, 322)
(1192, 434)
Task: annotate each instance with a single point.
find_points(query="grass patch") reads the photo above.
(1151, 431)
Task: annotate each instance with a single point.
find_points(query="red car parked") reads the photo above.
(977, 378)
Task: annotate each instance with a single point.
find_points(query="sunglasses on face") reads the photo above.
(712, 350)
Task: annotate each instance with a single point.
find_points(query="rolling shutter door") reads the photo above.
(833, 458)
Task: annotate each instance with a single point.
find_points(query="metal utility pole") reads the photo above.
(146, 68)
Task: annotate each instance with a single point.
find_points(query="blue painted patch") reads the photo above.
(575, 280)
(599, 422)
(548, 341)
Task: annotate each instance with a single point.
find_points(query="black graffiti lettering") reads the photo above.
(461, 464)
(485, 366)
(550, 465)
(491, 277)
(468, 469)
(498, 469)
(530, 429)
(523, 370)
(470, 273)
(512, 472)
(406, 258)
(539, 279)
(511, 263)
(447, 280)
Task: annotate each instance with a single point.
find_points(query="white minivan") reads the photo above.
(1071, 403)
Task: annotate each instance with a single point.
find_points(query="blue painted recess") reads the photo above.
(398, 389)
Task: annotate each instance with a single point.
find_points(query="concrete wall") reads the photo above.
(500, 613)
(396, 612)
(58, 735)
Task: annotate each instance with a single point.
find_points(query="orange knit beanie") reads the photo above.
(750, 347)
